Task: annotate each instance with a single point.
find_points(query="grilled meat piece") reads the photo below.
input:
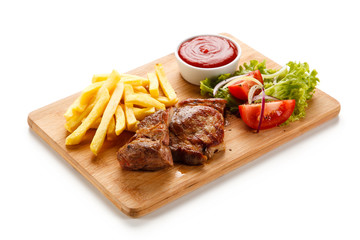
(145, 154)
(149, 148)
(197, 130)
(217, 103)
(194, 134)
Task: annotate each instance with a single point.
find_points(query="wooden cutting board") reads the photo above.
(138, 193)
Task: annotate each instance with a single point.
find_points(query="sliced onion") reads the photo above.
(283, 69)
(252, 92)
(249, 78)
(262, 109)
(222, 83)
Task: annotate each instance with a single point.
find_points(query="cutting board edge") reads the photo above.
(32, 124)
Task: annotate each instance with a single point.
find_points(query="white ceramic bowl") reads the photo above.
(194, 74)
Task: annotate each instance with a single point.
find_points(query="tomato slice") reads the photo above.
(257, 75)
(241, 88)
(275, 113)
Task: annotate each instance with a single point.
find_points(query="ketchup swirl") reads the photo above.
(208, 51)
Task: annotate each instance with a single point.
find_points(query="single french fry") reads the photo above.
(112, 81)
(167, 101)
(144, 100)
(95, 124)
(164, 83)
(140, 89)
(128, 90)
(111, 135)
(131, 121)
(71, 110)
(153, 84)
(74, 122)
(100, 77)
(83, 100)
(135, 81)
(141, 113)
(120, 121)
(86, 95)
(76, 136)
(108, 114)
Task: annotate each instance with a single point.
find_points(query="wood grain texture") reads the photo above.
(139, 193)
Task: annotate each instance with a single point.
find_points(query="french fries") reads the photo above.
(131, 121)
(153, 85)
(120, 122)
(111, 134)
(135, 82)
(167, 101)
(140, 89)
(144, 100)
(75, 120)
(86, 96)
(115, 102)
(82, 101)
(108, 114)
(71, 110)
(76, 136)
(164, 83)
(99, 77)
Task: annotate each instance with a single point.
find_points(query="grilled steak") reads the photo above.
(149, 148)
(217, 103)
(194, 134)
(197, 130)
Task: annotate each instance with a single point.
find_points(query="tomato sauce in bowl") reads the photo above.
(207, 56)
(208, 51)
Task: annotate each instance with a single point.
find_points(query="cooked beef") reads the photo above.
(149, 148)
(196, 133)
(197, 130)
(217, 103)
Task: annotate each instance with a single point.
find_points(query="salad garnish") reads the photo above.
(293, 81)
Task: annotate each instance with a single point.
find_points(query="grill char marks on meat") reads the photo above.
(149, 148)
(197, 130)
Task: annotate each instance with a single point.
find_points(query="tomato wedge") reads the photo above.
(257, 75)
(241, 88)
(275, 113)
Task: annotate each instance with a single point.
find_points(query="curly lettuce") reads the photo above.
(299, 84)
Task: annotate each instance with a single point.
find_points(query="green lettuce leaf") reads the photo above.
(299, 84)
(252, 66)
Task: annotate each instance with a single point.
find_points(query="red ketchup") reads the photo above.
(208, 51)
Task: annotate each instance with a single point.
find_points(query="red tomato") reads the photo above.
(257, 75)
(241, 88)
(275, 113)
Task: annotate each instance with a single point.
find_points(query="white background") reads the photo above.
(305, 189)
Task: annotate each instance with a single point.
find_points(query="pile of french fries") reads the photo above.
(116, 102)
